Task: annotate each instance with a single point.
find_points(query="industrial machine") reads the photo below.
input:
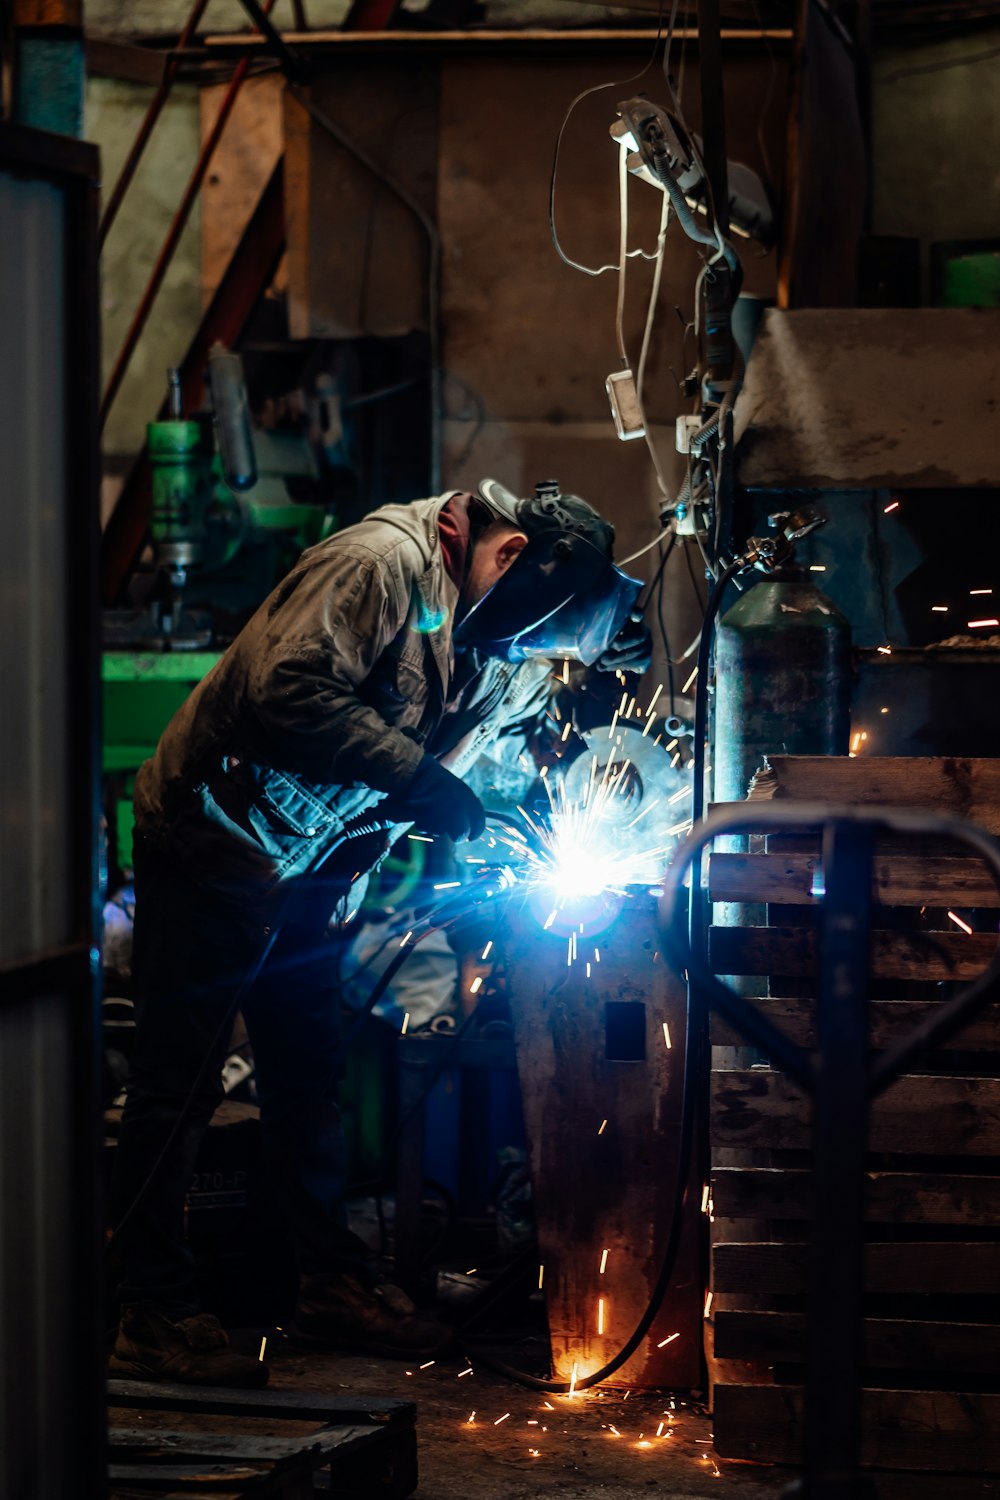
(232, 506)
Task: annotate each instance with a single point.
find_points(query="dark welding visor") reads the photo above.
(560, 597)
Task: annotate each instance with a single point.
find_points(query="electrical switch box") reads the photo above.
(625, 407)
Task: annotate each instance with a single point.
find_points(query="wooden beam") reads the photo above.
(107, 57)
(943, 1267)
(480, 40)
(890, 1197)
(46, 13)
(888, 1021)
(930, 1114)
(793, 952)
(963, 788)
(939, 1430)
(890, 1343)
(899, 880)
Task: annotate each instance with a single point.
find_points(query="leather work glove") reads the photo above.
(439, 802)
(631, 649)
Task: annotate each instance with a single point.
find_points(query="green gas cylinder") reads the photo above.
(180, 457)
(783, 679)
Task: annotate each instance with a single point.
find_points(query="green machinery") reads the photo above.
(141, 693)
(231, 509)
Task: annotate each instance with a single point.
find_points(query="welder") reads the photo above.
(347, 710)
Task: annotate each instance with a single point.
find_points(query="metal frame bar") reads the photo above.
(842, 1084)
(74, 167)
(835, 1353)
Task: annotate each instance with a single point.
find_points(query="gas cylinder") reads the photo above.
(783, 679)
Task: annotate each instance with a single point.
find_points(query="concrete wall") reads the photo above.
(114, 111)
(937, 141)
(529, 341)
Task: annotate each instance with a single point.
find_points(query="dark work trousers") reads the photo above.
(192, 949)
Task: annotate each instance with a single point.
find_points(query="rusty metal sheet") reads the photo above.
(852, 398)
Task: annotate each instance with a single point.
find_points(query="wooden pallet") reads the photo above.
(368, 1443)
(932, 1333)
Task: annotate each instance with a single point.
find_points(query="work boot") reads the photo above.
(195, 1350)
(336, 1311)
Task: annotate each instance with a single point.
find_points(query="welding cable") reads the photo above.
(598, 88)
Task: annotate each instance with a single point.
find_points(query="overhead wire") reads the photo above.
(597, 88)
(622, 251)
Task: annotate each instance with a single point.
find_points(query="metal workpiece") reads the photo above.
(601, 1058)
(782, 679)
(653, 798)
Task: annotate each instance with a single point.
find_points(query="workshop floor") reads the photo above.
(480, 1435)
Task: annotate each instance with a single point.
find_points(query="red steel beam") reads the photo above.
(174, 233)
(159, 99)
(369, 15)
(248, 275)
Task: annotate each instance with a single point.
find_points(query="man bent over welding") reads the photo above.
(351, 704)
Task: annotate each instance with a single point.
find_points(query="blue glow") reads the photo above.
(429, 620)
(587, 915)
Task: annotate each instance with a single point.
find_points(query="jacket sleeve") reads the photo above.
(530, 714)
(324, 630)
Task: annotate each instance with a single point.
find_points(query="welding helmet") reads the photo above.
(562, 595)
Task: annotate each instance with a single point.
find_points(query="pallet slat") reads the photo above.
(947, 785)
(890, 1343)
(188, 1478)
(940, 1430)
(945, 1267)
(296, 1406)
(925, 1113)
(889, 1020)
(367, 1442)
(792, 952)
(899, 880)
(761, 1278)
(188, 1445)
(890, 1197)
